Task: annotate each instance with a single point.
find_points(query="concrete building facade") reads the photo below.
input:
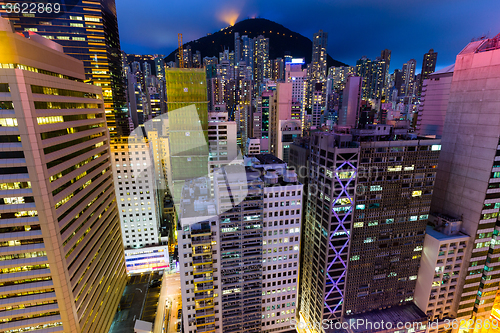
(63, 265)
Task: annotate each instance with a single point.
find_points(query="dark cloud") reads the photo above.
(356, 27)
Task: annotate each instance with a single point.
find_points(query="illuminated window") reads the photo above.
(8, 122)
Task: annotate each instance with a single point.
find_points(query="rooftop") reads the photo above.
(409, 313)
(268, 159)
(440, 236)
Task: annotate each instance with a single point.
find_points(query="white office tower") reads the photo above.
(133, 173)
(468, 177)
(440, 268)
(298, 76)
(222, 144)
(239, 250)
(434, 102)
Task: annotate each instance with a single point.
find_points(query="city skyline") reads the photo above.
(255, 188)
(408, 29)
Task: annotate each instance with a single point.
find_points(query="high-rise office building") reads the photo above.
(239, 251)
(63, 265)
(187, 107)
(222, 145)
(428, 67)
(428, 64)
(468, 174)
(283, 127)
(138, 203)
(298, 76)
(237, 48)
(278, 69)
(319, 55)
(375, 75)
(261, 65)
(361, 244)
(318, 68)
(434, 102)
(247, 52)
(88, 31)
(351, 100)
(389, 220)
(364, 70)
(408, 86)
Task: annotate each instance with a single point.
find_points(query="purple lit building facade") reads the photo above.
(367, 209)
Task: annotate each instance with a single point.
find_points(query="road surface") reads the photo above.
(171, 290)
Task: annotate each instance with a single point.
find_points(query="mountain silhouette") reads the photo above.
(281, 41)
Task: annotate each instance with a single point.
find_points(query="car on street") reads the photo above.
(155, 283)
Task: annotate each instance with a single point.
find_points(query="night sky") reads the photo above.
(355, 27)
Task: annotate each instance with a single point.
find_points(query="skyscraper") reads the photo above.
(360, 244)
(63, 265)
(88, 31)
(319, 55)
(434, 102)
(318, 70)
(428, 64)
(467, 179)
(237, 48)
(298, 76)
(187, 107)
(261, 66)
(351, 99)
(408, 86)
(374, 74)
(239, 251)
(283, 127)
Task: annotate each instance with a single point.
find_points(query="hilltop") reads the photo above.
(281, 40)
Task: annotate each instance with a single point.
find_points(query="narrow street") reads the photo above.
(168, 304)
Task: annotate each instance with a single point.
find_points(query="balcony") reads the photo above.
(205, 321)
(207, 259)
(203, 287)
(202, 278)
(205, 329)
(208, 268)
(202, 305)
(201, 240)
(203, 313)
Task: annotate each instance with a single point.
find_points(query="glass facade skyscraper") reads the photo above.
(88, 31)
(187, 106)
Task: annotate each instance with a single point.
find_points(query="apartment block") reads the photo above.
(440, 268)
(239, 250)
